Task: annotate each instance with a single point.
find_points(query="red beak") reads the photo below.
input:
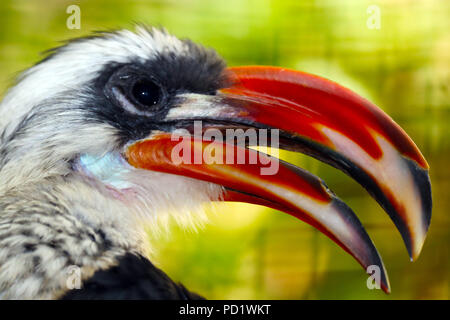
(314, 116)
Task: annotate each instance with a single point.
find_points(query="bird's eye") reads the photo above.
(146, 92)
(136, 92)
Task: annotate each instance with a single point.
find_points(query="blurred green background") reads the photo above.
(250, 252)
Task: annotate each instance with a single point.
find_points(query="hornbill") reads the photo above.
(86, 161)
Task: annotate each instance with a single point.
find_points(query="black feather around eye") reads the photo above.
(120, 99)
(135, 91)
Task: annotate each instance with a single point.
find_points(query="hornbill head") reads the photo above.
(117, 113)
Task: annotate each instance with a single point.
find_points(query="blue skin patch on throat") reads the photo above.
(108, 168)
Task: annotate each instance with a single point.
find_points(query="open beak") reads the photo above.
(314, 116)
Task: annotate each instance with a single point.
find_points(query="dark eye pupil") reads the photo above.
(146, 93)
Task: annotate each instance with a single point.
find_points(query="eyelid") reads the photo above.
(125, 77)
(126, 104)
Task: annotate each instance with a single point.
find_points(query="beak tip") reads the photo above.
(414, 228)
(385, 283)
(414, 253)
(414, 246)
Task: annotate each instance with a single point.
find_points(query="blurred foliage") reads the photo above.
(251, 252)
